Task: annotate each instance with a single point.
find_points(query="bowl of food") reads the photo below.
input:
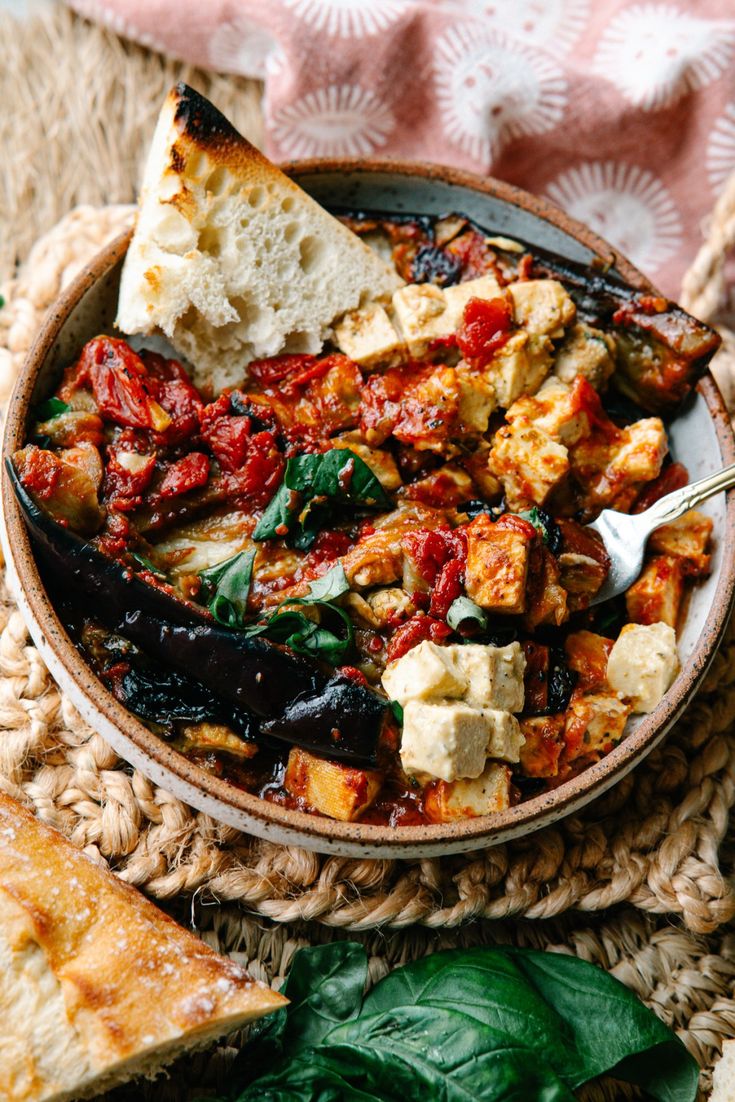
(298, 488)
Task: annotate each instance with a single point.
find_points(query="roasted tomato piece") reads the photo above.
(418, 404)
(121, 384)
(187, 473)
(485, 327)
(308, 394)
(174, 391)
(128, 474)
(536, 677)
(226, 433)
(329, 545)
(259, 476)
(476, 257)
(413, 632)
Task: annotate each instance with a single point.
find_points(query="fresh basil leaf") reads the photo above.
(487, 1024)
(146, 563)
(397, 710)
(464, 611)
(279, 516)
(225, 588)
(331, 585)
(546, 526)
(300, 633)
(52, 407)
(313, 485)
(325, 986)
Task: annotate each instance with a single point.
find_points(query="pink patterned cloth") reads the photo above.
(621, 112)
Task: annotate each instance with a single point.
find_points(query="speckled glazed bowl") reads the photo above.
(701, 438)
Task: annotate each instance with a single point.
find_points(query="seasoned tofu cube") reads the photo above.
(519, 367)
(390, 606)
(595, 723)
(585, 351)
(638, 455)
(497, 566)
(445, 739)
(587, 655)
(445, 801)
(380, 462)
(442, 488)
(329, 787)
(504, 735)
(542, 746)
(643, 664)
(554, 410)
(422, 315)
(457, 297)
(369, 337)
(494, 674)
(529, 464)
(687, 539)
(425, 672)
(658, 592)
(476, 400)
(542, 306)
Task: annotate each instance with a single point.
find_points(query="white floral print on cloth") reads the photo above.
(621, 111)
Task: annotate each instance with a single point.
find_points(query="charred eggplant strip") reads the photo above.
(248, 673)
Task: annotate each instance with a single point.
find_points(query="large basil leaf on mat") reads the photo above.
(487, 1024)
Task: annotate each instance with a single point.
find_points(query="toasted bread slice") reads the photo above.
(97, 986)
(230, 258)
(723, 1078)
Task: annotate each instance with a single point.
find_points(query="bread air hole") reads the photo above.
(310, 251)
(288, 204)
(209, 241)
(291, 232)
(256, 196)
(219, 182)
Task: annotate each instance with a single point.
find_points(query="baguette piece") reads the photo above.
(97, 986)
(230, 258)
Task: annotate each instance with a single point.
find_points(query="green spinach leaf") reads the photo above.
(331, 585)
(225, 589)
(487, 1024)
(52, 407)
(313, 488)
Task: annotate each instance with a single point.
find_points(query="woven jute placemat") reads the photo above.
(79, 104)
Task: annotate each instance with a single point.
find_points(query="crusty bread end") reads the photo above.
(230, 258)
(97, 986)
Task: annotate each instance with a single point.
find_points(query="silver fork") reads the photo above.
(625, 536)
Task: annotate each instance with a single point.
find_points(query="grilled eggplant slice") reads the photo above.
(303, 705)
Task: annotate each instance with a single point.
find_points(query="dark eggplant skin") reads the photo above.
(251, 674)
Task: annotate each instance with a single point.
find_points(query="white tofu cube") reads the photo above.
(505, 737)
(552, 410)
(643, 664)
(542, 306)
(528, 463)
(422, 315)
(519, 367)
(476, 400)
(369, 338)
(641, 451)
(425, 672)
(457, 297)
(586, 351)
(445, 739)
(494, 675)
(380, 462)
(465, 799)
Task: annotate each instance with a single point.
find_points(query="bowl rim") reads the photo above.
(316, 831)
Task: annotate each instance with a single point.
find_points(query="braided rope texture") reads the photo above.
(653, 841)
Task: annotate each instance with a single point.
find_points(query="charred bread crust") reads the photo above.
(127, 987)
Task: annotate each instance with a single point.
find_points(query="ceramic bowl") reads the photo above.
(701, 438)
